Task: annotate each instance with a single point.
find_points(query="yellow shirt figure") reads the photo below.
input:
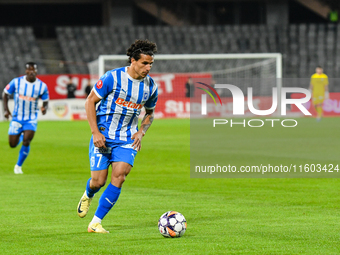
(319, 85)
(319, 88)
(319, 82)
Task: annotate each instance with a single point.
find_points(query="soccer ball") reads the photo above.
(172, 224)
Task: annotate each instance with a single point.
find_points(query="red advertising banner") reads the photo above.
(331, 106)
(172, 102)
(57, 84)
(172, 108)
(170, 85)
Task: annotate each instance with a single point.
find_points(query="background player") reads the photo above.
(319, 88)
(122, 93)
(27, 89)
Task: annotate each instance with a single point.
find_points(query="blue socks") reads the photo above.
(107, 200)
(90, 192)
(23, 154)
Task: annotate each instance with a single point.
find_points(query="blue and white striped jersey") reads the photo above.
(26, 95)
(122, 100)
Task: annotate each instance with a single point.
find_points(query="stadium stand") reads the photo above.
(303, 46)
(18, 46)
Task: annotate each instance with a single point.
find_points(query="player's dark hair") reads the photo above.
(141, 47)
(28, 64)
(319, 67)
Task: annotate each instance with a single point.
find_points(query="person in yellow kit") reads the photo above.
(319, 88)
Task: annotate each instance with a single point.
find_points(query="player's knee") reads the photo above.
(120, 178)
(12, 144)
(98, 182)
(26, 142)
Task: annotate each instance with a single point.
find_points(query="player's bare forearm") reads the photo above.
(5, 98)
(90, 108)
(45, 104)
(44, 107)
(147, 121)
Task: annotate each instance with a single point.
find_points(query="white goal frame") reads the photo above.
(277, 56)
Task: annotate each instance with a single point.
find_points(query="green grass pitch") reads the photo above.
(225, 216)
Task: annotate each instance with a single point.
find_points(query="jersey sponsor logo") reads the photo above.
(127, 104)
(99, 84)
(7, 87)
(26, 98)
(101, 150)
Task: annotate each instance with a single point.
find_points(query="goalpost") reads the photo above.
(250, 61)
(261, 71)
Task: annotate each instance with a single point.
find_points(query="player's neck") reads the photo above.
(31, 81)
(133, 74)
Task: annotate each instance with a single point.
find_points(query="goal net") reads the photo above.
(259, 65)
(171, 72)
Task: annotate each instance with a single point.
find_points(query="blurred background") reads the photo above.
(64, 36)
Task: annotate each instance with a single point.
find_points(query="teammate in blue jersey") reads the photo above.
(121, 94)
(27, 90)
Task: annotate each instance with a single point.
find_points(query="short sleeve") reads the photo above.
(104, 85)
(44, 94)
(10, 87)
(151, 103)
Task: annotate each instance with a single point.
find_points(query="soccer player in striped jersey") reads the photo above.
(121, 94)
(27, 90)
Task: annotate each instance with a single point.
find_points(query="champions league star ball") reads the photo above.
(172, 224)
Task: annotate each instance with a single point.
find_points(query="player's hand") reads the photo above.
(137, 143)
(7, 113)
(43, 110)
(99, 140)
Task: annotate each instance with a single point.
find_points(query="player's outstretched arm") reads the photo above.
(146, 123)
(90, 107)
(5, 98)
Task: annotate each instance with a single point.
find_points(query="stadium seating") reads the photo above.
(18, 46)
(303, 46)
